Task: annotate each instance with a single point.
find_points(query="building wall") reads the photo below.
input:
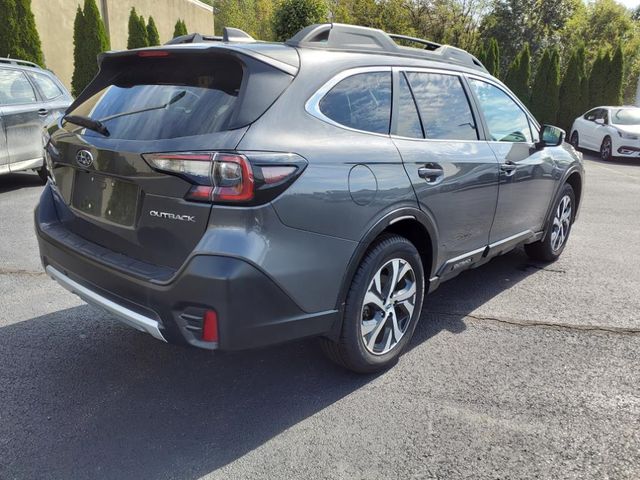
(54, 20)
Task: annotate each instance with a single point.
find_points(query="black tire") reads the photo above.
(575, 140)
(545, 250)
(606, 149)
(350, 350)
(43, 174)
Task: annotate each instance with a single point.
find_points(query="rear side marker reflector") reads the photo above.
(210, 326)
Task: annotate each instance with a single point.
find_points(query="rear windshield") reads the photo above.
(161, 99)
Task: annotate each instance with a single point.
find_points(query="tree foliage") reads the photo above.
(598, 79)
(18, 34)
(518, 75)
(290, 16)
(180, 29)
(137, 31)
(613, 86)
(153, 37)
(493, 58)
(570, 93)
(89, 40)
(546, 87)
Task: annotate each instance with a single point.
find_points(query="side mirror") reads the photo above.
(599, 121)
(551, 136)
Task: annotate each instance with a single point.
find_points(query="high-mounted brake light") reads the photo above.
(230, 177)
(153, 53)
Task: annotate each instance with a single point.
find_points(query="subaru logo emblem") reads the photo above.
(84, 158)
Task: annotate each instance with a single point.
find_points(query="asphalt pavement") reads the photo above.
(517, 370)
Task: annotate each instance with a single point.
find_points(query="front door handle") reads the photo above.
(43, 112)
(432, 173)
(509, 168)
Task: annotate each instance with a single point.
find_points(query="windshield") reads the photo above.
(626, 116)
(167, 101)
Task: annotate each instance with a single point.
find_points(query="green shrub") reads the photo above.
(180, 29)
(18, 34)
(153, 37)
(89, 40)
(137, 31)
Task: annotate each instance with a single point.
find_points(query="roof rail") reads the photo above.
(228, 35)
(338, 36)
(15, 61)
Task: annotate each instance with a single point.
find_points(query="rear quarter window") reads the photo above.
(361, 101)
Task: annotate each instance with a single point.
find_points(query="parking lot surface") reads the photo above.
(517, 370)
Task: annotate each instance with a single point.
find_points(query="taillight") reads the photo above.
(229, 177)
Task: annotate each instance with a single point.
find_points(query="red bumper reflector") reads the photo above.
(210, 326)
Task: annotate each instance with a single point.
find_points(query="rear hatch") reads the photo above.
(149, 101)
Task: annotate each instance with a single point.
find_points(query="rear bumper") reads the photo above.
(131, 318)
(252, 310)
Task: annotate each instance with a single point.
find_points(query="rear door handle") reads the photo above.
(43, 112)
(432, 173)
(509, 168)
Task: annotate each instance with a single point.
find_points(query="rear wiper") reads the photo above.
(173, 100)
(87, 122)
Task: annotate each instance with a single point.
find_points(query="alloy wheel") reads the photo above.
(388, 306)
(561, 223)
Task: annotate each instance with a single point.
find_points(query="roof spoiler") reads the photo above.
(229, 34)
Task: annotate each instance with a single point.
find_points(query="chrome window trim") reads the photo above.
(312, 106)
(441, 71)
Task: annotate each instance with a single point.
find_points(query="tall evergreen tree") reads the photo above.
(79, 78)
(519, 75)
(613, 86)
(153, 37)
(493, 58)
(18, 34)
(137, 31)
(180, 29)
(546, 88)
(89, 40)
(583, 101)
(570, 93)
(598, 79)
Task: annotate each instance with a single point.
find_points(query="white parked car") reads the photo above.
(612, 131)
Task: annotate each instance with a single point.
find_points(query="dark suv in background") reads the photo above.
(30, 99)
(227, 193)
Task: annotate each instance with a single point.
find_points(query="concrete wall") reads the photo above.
(54, 19)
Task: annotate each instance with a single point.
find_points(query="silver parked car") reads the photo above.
(30, 98)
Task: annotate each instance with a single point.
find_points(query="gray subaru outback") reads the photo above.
(226, 193)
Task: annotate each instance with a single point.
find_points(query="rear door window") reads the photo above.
(443, 106)
(361, 101)
(15, 88)
(166, 100)
(48, 87)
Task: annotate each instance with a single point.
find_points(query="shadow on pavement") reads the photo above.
(83, 397)
(16, 181)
